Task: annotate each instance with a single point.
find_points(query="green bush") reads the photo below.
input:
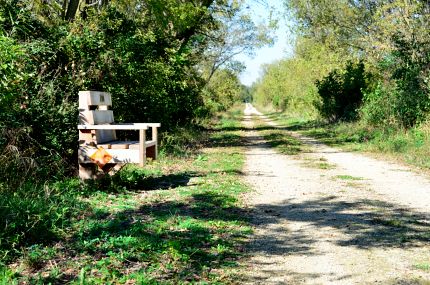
(341, 92)
(411, 72)
(402, 97)
(379, 106)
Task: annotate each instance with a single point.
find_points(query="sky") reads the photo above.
(280, 49)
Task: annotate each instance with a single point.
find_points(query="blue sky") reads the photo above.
(260, 13)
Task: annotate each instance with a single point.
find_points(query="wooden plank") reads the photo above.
(130, 144)
(104, 136)
(136, 126)
(94, 98)
(150, 143)
(120, 145)
(155, 139)
(85, 136)
(101, 117)
(142, 148)
(153, 125)
(96, 117)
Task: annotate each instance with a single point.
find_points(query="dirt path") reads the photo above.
(361, 221)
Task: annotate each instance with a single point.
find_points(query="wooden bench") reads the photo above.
(99, 149)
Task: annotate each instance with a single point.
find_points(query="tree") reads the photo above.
(236, 34)
(223, 90)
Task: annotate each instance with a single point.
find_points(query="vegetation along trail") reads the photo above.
(324, 216)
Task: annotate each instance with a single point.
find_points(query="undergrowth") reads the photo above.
(178, 220)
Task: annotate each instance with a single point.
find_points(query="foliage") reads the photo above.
(390, 39)
(11, 71)
(402, 99)
(378, 107)
(223, 91)
(411, 75)
(289, 84)
(348, 28)
(175, 221)
(341, 93)
(146, 53)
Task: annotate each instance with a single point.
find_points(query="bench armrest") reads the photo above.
(135, 126)
(152, 125)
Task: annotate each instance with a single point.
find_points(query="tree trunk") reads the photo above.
(63, 12)
(72, 10)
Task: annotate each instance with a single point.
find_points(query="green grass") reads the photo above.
(411, 146)
(279, 139)
(424, 266)
(348, 177)
(320, 163)
(177, 221)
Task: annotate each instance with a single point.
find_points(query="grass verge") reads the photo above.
(176, 221)
(411, 146)
(281, 141)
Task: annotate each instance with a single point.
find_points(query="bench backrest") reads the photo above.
(94, 110)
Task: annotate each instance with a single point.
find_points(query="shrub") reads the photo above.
(379, 106)
(402, 97)
(341, 92)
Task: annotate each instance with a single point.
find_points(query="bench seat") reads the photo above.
(125, 144)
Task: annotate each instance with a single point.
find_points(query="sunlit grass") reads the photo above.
(178, 220)
(409, 145)
(348, 177)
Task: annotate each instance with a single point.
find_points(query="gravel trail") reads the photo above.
(361, 221)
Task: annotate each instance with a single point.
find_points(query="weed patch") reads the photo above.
(348, 177)
(425, 266)
(315, 163)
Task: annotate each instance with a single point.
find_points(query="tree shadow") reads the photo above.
(364, 223)
(189, 234)
(139, 181)
(287, 144)
(306, 125)
(243, 129)
(162, 182)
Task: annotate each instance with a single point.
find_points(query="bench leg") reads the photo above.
(142, 148)
(155, 138)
